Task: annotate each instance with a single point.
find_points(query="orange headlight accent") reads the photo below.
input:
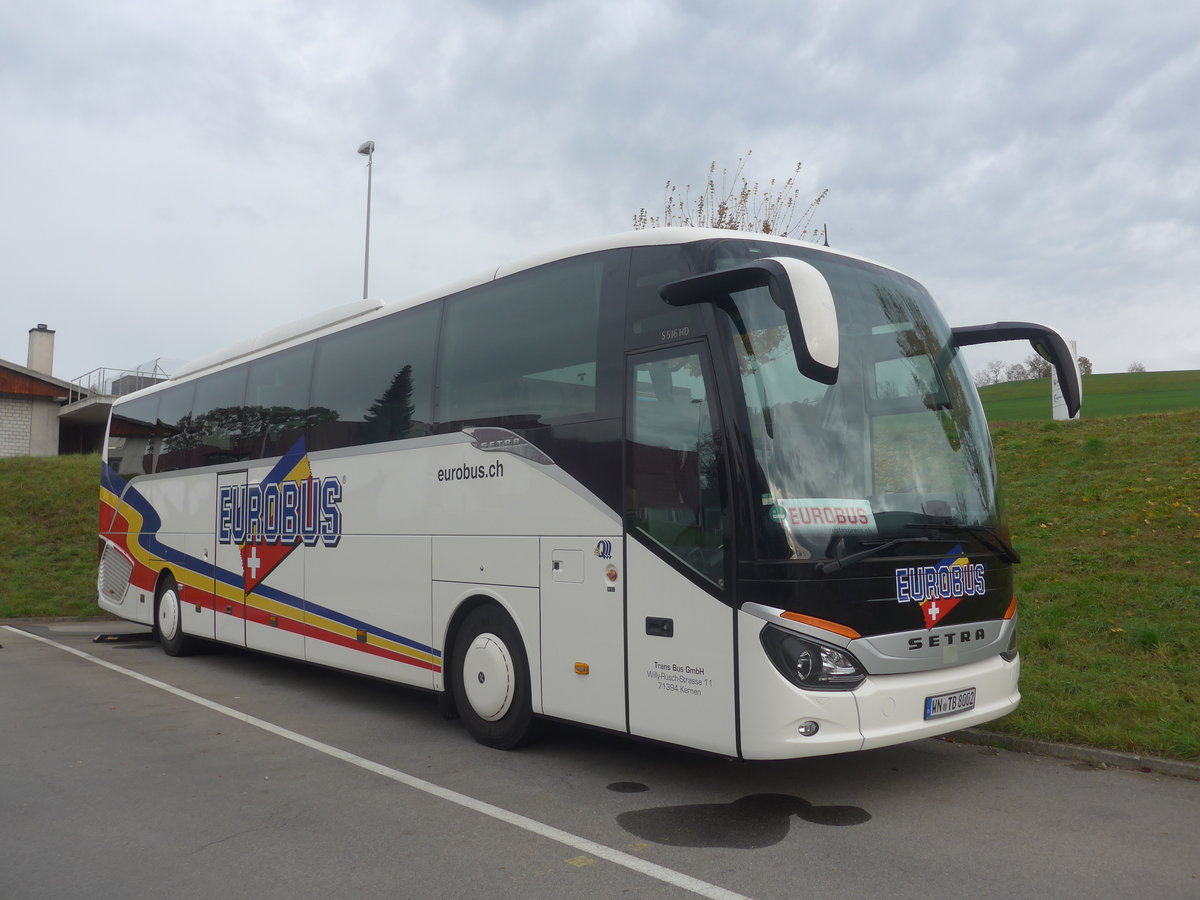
(823, 624)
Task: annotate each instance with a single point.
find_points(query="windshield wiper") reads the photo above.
(985, 534)
(830, 566)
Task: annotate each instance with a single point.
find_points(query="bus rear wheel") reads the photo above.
(168, 620)
(490, 679)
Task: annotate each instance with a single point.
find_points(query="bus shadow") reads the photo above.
(748, 823)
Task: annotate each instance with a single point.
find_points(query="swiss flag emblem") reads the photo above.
(936, 610)
(259, 560)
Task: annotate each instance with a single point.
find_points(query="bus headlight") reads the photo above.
(809, 664)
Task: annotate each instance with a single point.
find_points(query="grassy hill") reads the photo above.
(1105, 512)
(1103, 395)
(1106, 515)
(49, 514)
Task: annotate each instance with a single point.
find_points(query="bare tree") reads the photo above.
(1016, 372)
(1085, 365)
(1036, 367)
(1136, 367)
(990, 374)
(734, 203)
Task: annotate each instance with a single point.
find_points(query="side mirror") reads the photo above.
(1046, 342)
(796, 287)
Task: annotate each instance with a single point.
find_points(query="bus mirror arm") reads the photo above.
(796, 287)
(1048, 343)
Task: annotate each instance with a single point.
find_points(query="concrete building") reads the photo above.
(30, 400)
(41, 415)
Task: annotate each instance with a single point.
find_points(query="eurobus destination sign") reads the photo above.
(820, 515)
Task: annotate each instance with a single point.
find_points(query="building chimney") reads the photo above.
(41, 350)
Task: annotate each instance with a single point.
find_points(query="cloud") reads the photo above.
(181, 174)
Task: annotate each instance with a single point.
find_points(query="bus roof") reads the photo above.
(341, 316)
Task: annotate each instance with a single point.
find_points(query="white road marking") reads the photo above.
(583, 845)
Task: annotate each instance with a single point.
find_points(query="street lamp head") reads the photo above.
(367, 148)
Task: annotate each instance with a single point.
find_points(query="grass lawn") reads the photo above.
(1103, 396)
(1106, 514)
(49, 515)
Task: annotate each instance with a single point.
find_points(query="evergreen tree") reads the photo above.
(390, 417)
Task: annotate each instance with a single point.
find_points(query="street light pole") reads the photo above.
(367, 149)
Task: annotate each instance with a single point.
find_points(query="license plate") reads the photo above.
(949, 704)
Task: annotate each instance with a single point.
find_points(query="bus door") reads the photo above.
(259, 581)
(679, 617)
(229, 588)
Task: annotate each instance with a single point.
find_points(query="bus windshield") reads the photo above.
(898, 443)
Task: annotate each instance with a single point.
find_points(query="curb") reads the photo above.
(59, 620)
(1073, 752)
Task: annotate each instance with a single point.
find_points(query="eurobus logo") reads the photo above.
(938, 589)
(286, 512)
(288, 507)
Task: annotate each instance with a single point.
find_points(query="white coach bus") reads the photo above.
(720, 490)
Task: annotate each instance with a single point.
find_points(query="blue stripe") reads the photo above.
(378, 632)
(949, 560)
(286, 463)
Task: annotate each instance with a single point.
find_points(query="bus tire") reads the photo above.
(490, 679)
(168, 620)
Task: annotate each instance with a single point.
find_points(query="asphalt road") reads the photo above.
(231, 775)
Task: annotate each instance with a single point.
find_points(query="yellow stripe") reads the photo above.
(302, 471)
(273, 607)
(372, 639)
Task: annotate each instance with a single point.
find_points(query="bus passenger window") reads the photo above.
(523, 350)
(131, 436)
(218, 417)
(175, 431)
(374, 382)
(277, 401)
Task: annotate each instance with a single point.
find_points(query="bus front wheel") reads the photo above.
(490, 679)
(168, 620)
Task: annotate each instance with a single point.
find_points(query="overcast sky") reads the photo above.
(175, 176)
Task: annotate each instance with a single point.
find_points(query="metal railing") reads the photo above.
(114, 382)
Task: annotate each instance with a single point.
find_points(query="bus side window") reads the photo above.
(175, 431)
(523, 350)
(375, 382)
(674, 463)
(131, 436)
(277, 401)
(218, 416)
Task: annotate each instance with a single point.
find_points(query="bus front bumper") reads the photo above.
(883, 710)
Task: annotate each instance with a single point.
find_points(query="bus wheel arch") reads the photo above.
(489, 675)
(168, 616)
